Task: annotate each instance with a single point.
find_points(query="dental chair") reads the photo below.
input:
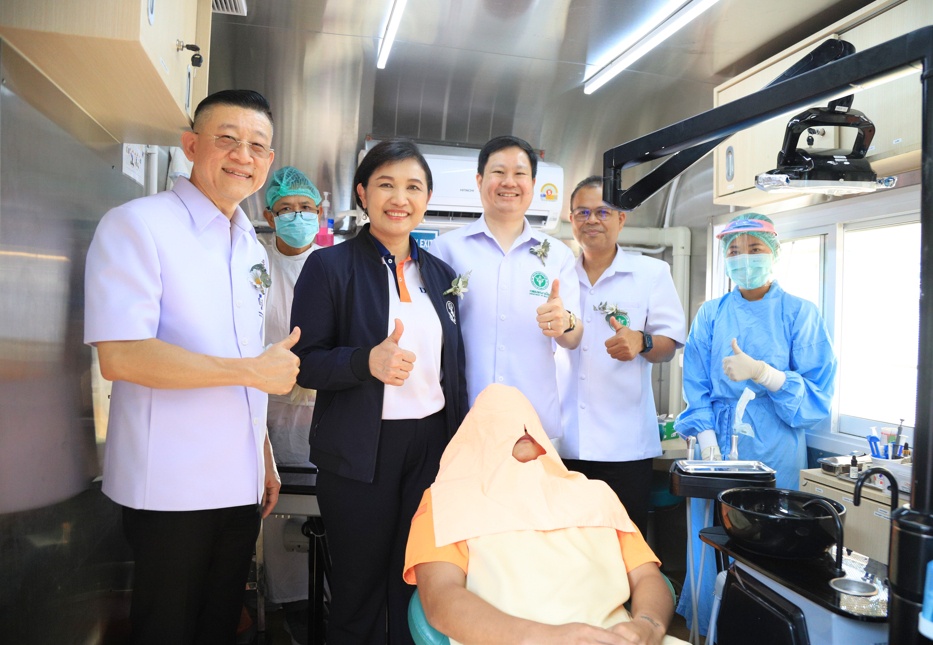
(424, 634)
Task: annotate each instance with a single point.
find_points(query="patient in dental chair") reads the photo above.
(508, 546)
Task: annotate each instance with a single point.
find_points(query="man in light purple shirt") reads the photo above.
(175, 294)
(519, 279)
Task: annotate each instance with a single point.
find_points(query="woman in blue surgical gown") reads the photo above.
(759, 337)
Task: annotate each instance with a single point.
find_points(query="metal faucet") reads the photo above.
(877, 470)
(839, 572)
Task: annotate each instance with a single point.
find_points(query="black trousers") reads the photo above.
(190, 573)
(630, 480)
(367, 531)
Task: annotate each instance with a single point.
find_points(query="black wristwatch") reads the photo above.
(573, 322)
(649, 342)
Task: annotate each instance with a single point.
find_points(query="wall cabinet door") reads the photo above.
(118, 59)
(894, 107)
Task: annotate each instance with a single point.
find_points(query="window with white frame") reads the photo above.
(880, 295)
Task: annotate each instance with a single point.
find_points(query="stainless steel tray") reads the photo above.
(696, 467)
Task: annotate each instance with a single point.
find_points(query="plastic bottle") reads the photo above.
(853, 468)
(325, 206)
(326, 238)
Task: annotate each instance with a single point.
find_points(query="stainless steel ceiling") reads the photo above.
(462, 71)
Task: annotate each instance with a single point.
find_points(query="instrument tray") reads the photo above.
(706, 479)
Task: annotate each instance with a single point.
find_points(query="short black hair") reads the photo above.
(501, 143)
(595, 181)
(388, 151)
(248, 99)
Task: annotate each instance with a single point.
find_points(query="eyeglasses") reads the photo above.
(289, 216)
(583, 214)
(228, 144)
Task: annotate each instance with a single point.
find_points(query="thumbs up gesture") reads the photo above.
(625, 344)
(277, 367)
(553, 318)
(390, 363)
(740, 366)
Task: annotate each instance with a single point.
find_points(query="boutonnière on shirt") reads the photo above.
(260, 277)
(541, 250)
(459, 285)
(613, 311)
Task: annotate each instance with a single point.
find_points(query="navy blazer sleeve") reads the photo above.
(316, 310)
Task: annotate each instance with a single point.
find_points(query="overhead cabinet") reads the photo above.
(122, 61)
(893, 107)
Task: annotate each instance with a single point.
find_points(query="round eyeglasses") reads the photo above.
(289, 216)
(583, 214)
(228, 144)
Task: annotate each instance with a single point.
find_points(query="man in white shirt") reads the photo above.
(513, 314)
(293, 212)
(175, 293)
(633, 318)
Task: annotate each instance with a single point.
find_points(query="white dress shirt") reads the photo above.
(501, 336)
(608, 406)
(171, 266)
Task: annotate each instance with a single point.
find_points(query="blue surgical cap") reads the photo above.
(287, 182)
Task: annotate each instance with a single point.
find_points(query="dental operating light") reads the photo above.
(665, 24)
(398, 8)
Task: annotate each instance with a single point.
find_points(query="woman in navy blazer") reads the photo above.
(380, 342)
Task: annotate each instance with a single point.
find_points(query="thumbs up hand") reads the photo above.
(740, 366)
(390, 363)
(626, 343)
(553, 318)
(277, 367)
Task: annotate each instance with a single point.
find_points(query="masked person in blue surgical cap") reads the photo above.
(292, 210)
(759, 337)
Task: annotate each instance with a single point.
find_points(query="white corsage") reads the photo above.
(260, 277)
(541, 250)
(459, 285)
(613, 311)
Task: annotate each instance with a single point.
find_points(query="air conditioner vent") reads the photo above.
(233, 7)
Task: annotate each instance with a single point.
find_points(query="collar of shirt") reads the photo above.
(528, 234)
(203, 211)
(621, 263)
(385, 254)
(397, 268)
(272, 249)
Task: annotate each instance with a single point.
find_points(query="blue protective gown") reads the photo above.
(787, 333)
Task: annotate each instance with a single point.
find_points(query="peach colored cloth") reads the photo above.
(422, 545)
(482, 490)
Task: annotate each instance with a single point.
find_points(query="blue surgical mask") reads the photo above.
(297, 229)
(750, 271)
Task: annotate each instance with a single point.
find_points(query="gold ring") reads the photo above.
(549, 324)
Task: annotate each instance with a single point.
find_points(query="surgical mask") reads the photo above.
(297, 229)
(750, 271)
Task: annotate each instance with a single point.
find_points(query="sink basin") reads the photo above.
(774, 521)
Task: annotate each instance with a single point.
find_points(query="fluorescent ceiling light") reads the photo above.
(665, 24)
(391, 29)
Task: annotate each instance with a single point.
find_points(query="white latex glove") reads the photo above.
(709, 447)
(741, 367)
(301, 396)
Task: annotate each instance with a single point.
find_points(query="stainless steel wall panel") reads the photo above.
(60, 544)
